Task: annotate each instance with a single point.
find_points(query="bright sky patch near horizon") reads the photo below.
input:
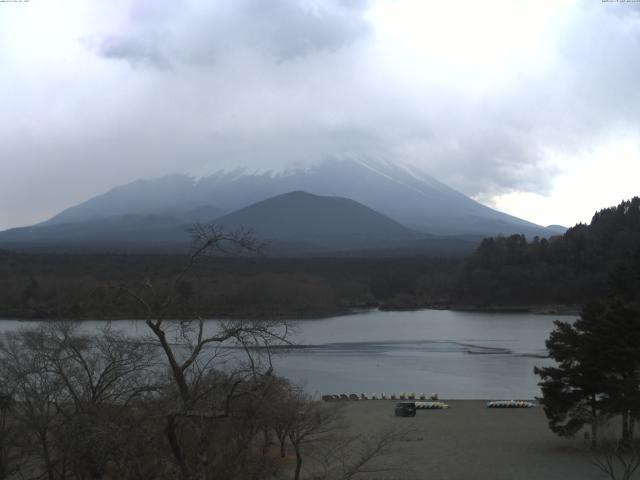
(528, 106)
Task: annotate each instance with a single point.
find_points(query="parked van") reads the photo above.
(406, 409)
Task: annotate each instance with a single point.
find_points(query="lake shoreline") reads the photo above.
(568, 310)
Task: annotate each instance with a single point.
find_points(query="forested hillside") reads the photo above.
(583, 263)
(77, 286)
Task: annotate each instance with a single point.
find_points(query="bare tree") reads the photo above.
(37, 393)
(616, 459)
(9, 438)
(282, 408)
(193, 351)
(348, 456)
(311, 422)
(70, 390)
(315, 431)
(102, 368)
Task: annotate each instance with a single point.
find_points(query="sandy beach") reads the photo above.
(470, 441)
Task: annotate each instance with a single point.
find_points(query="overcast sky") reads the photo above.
(530, 107)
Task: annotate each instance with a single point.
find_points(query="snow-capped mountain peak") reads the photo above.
(400, 191)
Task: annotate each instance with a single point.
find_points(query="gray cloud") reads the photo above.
(141, 50)
(281, 29)
(175, 86)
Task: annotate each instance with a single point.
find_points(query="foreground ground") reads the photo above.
(470, 441)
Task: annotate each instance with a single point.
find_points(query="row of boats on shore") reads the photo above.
(375, 396)
(421, 401)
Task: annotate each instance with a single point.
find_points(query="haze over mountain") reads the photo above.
(335, 206)
(401, 192)
(130, 233)
(294, 223)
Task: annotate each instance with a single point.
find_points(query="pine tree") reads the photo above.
(598, 370)
(618, 331)
(572, 391)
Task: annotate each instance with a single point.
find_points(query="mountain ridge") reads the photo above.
(401, 192)
(292, 224)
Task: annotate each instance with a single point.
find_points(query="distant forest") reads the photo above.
(504, 272)
(588, 261)
(76, 286)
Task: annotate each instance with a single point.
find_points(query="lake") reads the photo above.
(458, 355)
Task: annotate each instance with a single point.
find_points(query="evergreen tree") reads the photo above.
(618, 331)
(598, 370)
(572, 391)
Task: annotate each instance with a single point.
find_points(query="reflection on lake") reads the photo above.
(456, 354)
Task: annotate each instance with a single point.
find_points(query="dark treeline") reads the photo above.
(75, 286)
(508, 272)
(587, 262)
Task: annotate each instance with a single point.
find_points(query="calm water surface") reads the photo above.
(455, 354)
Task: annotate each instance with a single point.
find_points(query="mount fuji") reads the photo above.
(402, 195)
